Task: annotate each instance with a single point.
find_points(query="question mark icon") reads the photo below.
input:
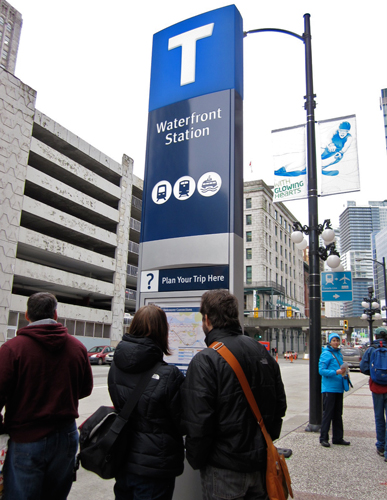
(150, 279)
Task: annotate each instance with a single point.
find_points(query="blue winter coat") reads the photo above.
(327, 367)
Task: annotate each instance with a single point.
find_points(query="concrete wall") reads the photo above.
(17, 107)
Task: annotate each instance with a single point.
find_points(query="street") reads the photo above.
(295, 376)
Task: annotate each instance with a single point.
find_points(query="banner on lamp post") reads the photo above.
(339, 159)
(289, 154)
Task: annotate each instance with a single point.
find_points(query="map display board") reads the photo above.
(186, 337)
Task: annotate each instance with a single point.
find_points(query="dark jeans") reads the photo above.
(332, 412)
(222, 484)
(133, 487)
(380, 410)
(42, 470)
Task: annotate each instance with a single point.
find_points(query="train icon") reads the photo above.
(184, 188)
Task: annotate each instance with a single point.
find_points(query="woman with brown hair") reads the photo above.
(155, 451)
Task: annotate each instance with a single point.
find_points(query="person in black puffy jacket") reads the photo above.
(155, 452)
(223, 438)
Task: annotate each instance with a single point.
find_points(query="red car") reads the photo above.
(98, 354)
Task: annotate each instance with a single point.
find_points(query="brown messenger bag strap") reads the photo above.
(234, 363)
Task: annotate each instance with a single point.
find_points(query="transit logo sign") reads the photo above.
(198, 56)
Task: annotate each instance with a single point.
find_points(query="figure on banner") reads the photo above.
(338, 144)
(294, 168)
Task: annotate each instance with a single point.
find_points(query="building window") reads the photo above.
(276, 262)
(276, 230)
(276, 278)
(270, 257)
(286, 224)
(281, 220)
(275, 215)
(248, 202)
(282, 266)
(249, 271)
(249, 253)
(249, 236)
(280, 249)
(286, 253)
(248, 220)
(276, 246)
(280, 235)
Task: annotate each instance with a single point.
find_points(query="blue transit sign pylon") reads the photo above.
(336, 286)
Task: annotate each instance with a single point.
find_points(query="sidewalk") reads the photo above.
(353, 472)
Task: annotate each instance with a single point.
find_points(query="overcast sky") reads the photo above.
(89, 61)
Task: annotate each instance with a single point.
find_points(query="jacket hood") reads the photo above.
(136, 354)
(52, 336)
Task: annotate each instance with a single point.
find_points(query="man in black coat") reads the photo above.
(223, 438)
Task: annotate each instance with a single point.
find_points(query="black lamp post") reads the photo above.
(315, 400)
(383, 264)
(371, 310)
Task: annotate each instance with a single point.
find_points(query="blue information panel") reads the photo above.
(201, 55)
(336, 287)
(187, 185)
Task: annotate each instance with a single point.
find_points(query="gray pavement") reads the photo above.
(353, 472)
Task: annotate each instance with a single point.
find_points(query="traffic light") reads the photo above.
(345, 324)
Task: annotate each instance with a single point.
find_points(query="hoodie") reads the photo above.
(44, 372)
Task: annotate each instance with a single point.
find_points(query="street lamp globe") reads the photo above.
(378, 316)
(328, 235)
(297, 237)
(365, 304)
(302, 245)
(333, 261)
(363, 316)
(375, 305)
(339, 269)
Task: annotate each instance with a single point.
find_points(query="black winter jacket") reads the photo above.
(156, 445)
(221, 429)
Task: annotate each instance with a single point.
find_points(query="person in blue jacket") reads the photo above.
(332, 371)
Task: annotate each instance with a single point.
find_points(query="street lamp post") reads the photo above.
(371, 311)
(383, 264)
(315, 401)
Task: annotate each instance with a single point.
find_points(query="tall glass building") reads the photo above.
(357, 224)
(383, 107)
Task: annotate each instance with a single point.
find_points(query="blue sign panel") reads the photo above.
(336, 287)
(187, 183)
(193, 278)
(198, 56)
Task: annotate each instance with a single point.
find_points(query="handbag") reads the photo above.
(278, 482)
(3, 452)
(104, 436)
(346, 380)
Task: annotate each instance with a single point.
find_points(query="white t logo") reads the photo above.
(187, 42)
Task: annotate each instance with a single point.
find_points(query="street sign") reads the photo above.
(336, 286)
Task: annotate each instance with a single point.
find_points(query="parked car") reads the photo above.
(98, 354)
(109, 356)
(287, 354)
(352, 355)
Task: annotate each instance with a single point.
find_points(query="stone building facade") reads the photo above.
(69, 222)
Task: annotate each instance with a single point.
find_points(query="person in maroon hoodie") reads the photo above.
(44, 372)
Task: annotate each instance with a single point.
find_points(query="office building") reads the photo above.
(383, 107)
(10, 29)
(357, 223)
(69, 223)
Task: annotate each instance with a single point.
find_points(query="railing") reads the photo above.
(130, 294)
(132, 270)
(272, 314)
(136, 202)
(135, 224)
(134, 247)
